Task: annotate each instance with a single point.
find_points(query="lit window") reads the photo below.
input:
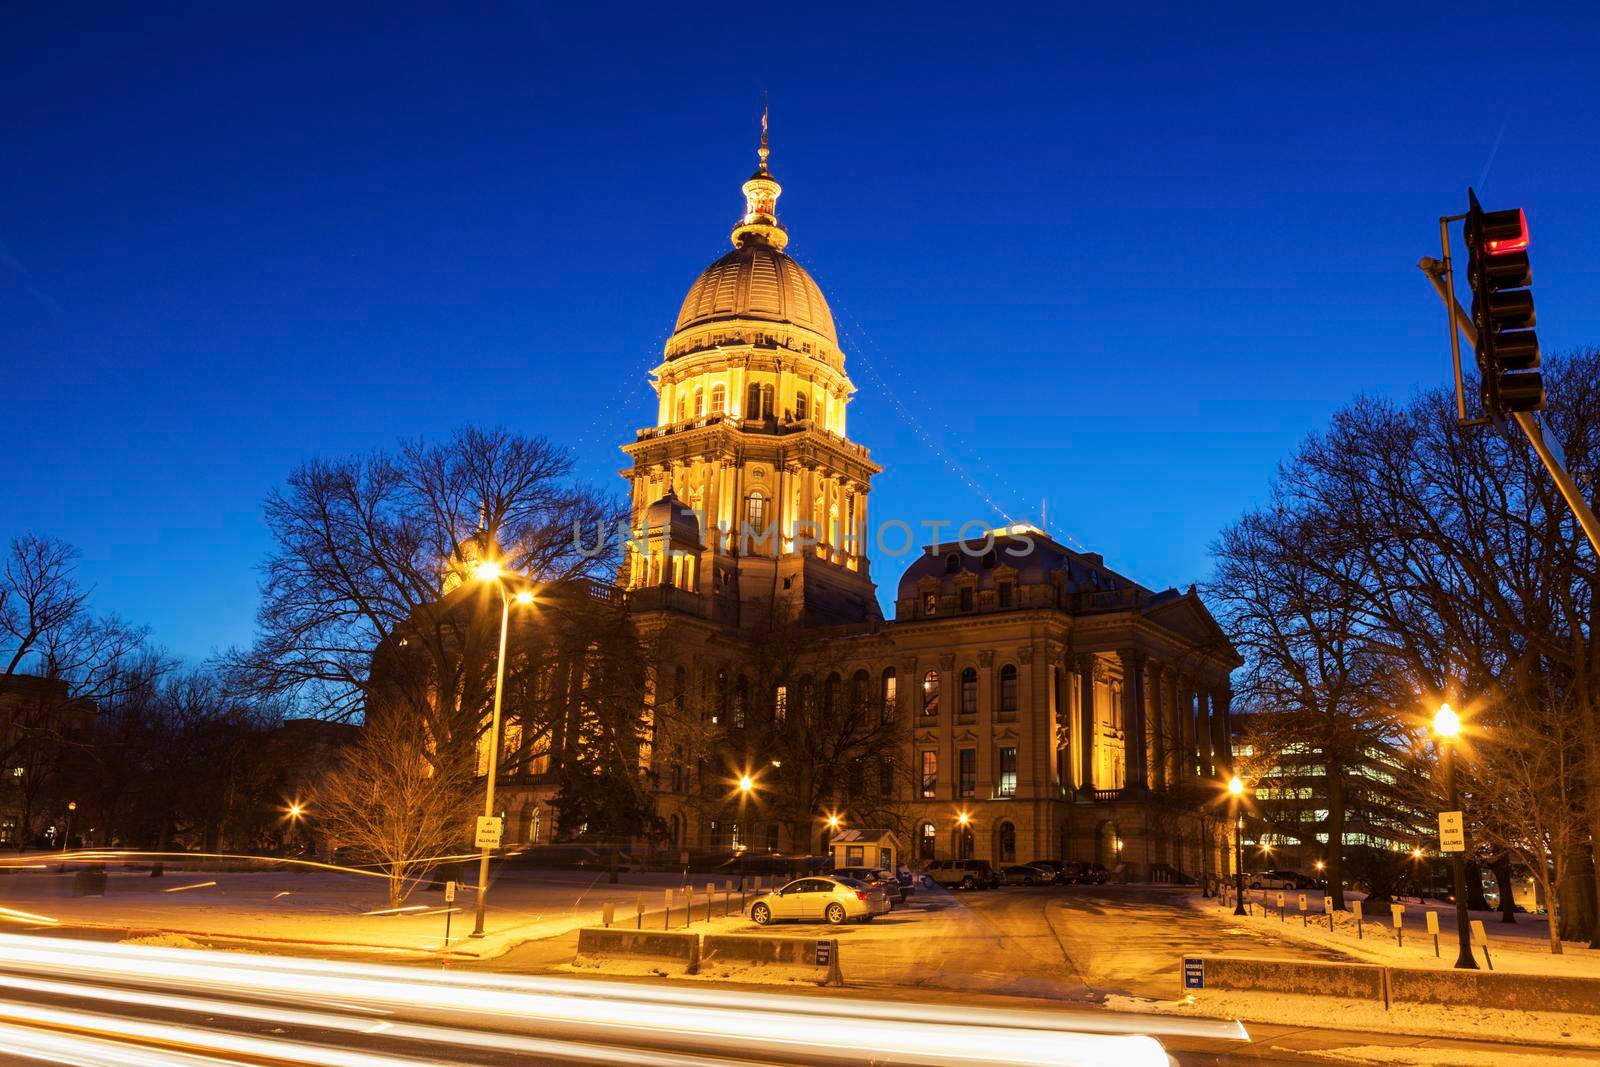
(930, 774)
(930, 693)
(1008, 773)
(800, 405)
(699, 402)
(930, 604)
(756, 513)
(719, 399)
(888, 693)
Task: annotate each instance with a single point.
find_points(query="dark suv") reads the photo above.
(963, 874)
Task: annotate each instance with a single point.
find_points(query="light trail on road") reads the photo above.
(223, 1005)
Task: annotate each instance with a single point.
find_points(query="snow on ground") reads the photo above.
(1522, 947)
(1433, 1056)
(1332, 1013)
(335, 909)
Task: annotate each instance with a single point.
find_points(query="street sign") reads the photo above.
(488, 835)
(1302, 902)
(449, 892)
(824, 953)
(1452, 832)
(1194, 973)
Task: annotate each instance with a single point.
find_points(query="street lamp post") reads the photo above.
(1447, 728)
(747, 785)
(72, 809)
(490, 572)
(1236, 798)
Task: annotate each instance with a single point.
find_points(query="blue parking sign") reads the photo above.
(824, 953)
(1194, 973)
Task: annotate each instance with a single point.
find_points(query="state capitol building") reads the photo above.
(1037, 704)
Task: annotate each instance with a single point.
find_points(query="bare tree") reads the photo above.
(368, 597)
(391, 800)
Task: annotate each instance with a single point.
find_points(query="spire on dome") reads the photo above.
(760, 223)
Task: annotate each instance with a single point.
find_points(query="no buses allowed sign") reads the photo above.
(488, 835)
(1452, 832)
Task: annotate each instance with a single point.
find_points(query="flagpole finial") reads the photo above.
(763, 152)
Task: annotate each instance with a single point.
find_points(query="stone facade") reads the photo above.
(1059, 709)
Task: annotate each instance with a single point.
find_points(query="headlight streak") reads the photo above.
(111, 1026)
(617, 1012)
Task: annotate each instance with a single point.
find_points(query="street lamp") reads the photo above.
(1446, 729)
(747, 786)
(490, 571)
(72, 808)
(1235, 800)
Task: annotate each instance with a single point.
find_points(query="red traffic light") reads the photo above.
(1505, 231)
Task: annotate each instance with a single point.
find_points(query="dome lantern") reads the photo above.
(760, 223)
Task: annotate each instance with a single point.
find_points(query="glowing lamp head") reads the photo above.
(963, 818)
(1319, 865)
(487, 571)
(1236, 786)
(72, 805)
(833, 822)
(295, 809)
(1416, 853)
(746, 783)
(1446, 723)
(524, 597)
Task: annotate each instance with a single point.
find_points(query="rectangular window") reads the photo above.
(1004, 591)
(969, 771)
(966, 598)
(855, 855)
(888, 696)
(883, 859)
(930, 774)
(1008, 772)
(780, 703)
(886, 778)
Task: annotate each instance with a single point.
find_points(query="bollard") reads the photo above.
(1431, 919)
(666, 909)
(639, 902)
(607, 913)
(1355, 906)
(711, 895)
(1480, 938)
(1396, 912)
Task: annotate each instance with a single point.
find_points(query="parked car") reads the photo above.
(819, 899)
(877, 879)
(1053, 866)
(1280, 879)
(1026, 874)
(963, 874)
(1082, 873)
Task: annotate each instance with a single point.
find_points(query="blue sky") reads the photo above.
(1122, 263)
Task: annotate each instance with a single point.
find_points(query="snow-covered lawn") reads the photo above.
(1522, 947)
(339, 910)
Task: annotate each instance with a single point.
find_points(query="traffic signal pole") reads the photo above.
(1440, 275)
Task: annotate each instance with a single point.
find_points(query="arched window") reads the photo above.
(756, 513)
(988, 560)
(1008, 843)
(952, 563)
(830, 696)
(683, 408)
(861, 696)
(930, 693)
(766, 402)
(926, 839)
(1008, 687)
(699, 402)
(752, 402)
(719, 399)
(800, 405)
(888, 694)
(969, 691)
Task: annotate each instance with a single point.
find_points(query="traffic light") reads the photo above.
(1502, 309)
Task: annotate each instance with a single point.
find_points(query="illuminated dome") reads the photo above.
(757, 281)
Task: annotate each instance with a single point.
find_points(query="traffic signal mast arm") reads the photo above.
(1438, 274)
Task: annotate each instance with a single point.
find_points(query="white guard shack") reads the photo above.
(879, 849)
